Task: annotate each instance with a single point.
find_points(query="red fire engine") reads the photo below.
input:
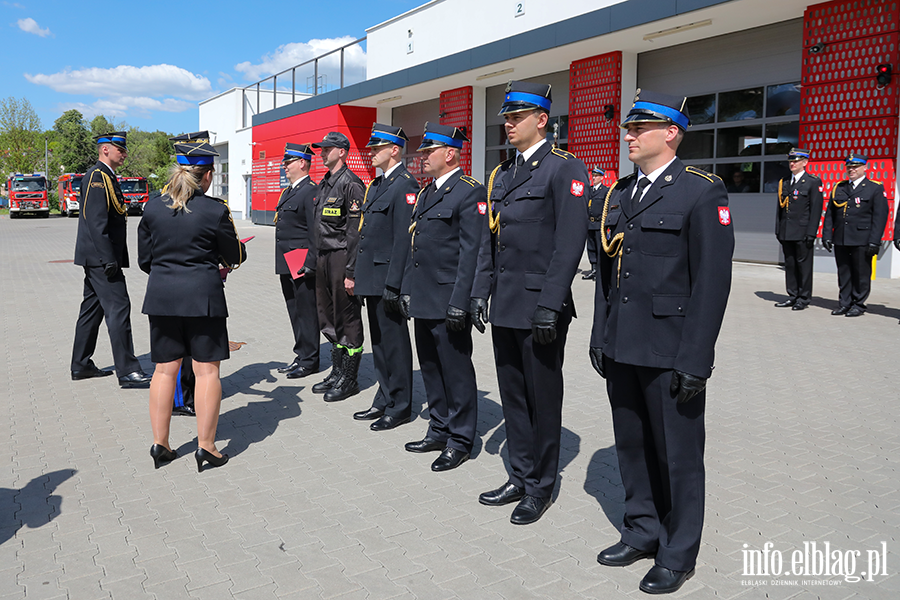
(136, 193)
(27, 194)
(68, 188)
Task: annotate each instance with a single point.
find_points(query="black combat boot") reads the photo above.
(337, 356)
(347, 385)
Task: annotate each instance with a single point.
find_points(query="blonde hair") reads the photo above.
(184, 181)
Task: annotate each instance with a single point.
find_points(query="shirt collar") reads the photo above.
(855, 182)
(799, 175)
(655, 174)
(443, 178)
(528, 153)
(387, 173)
(299, 181)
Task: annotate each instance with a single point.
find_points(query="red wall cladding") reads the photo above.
(353, 121)
(842, 108)
(595, 83)
(456, 111)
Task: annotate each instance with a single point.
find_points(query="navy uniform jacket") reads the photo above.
(182, 251)
(384, 234)
(595, 208)
(101, 226)
(295, 215)
(532, 258)
(669, 283)
(799, 208)
(856, 217)
(338, 202)
(443, 252)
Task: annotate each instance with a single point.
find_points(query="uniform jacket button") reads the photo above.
(506, 203)
(625, 300)
(592, 219)
(628, 250)
(503, 247)
(631, 226)
(627, 274)
(660, 221)
(502, 269)
(502, 224)
(417, 264)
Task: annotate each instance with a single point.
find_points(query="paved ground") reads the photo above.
(803, 448)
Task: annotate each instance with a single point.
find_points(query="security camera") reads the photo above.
(816, 48)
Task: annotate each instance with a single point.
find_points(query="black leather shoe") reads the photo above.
(184, 411)
(290, 367)
(505, 494)
(370, 414)
(426, 445)
(622, 555)
(785, 304)
(301, 372)
(450, 458)
(388, 422)
(138, 379)
(202, 455)
(798, 307)
(840, 311)
(529, 510)
(161, 455)
(855, 312)
(89, 372)
(660, 580)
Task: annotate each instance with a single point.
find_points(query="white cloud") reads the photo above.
(288, 55)
(122, 106)
(154, 80)
(29, 25)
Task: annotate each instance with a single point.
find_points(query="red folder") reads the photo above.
(295, 260)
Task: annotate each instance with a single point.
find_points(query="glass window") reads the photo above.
(560, 126)
(740, 178)
(496, 136)
(774, 171)
(783, 100)
(739, 141)
(697, 144)
(782, 137)
(740, 105)
(702, 109)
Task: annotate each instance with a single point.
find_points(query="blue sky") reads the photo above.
(149, 63)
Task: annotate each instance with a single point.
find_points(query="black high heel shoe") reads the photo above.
(161, 455)
(203, 455)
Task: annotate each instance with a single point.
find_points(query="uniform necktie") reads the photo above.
(639, 191)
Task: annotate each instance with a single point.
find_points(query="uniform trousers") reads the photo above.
(104, 296)
(531, 391)
(592, 249)
(798, 271)
(660, 445)
(854, 275)
(445, 361)
(300, 298)
(392, 357)
(340, 318)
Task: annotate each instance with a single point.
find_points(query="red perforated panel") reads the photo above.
(456, 111)
(594, 84)
(834, 140)
(850, 59)
(848, 100)
(833, 172)
(848, 19)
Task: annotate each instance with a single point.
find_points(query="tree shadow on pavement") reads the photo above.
(604, 483)
(32, 506)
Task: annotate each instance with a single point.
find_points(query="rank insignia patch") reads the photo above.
(410, 198)
(724, 215)
(577, 188)
(482, 208)
(354, 206)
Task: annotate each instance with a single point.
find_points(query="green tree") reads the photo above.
(71, 143)
(21, 137)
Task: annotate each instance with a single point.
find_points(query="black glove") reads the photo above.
(897, 243)
(872, 250)
(543, 325)
(828, 244)
(404, 305)
(456, 318)
(684, 386)
(306, 272)
(391, 298)
(478, 308)
(809, 240)
(110, 269)
(597, 361)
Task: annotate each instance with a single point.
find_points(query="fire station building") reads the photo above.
(761, 76)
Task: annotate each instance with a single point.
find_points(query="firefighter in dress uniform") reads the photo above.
(531, 248)
(383, 248)
(797, 220)
(667, 243)
(101, 250)
(854, 224)
(595, 205)
(446, 232)
(338, 202)
(294, 218)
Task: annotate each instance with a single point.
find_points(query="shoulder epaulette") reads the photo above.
(311, 182)
(225, 202)
(703, 174)
(406, 175)
(626, 178)
(562, 153)
(876, 182)
(470, 180)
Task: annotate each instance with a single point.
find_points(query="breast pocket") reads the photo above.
(377, 215)
(439, 223)
(661, 234)
(530, 205)
(612, 222)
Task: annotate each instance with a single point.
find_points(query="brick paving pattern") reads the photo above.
(803, 446)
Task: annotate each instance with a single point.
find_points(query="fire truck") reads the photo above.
(136, 193)
(27, 194)
(68, 188)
